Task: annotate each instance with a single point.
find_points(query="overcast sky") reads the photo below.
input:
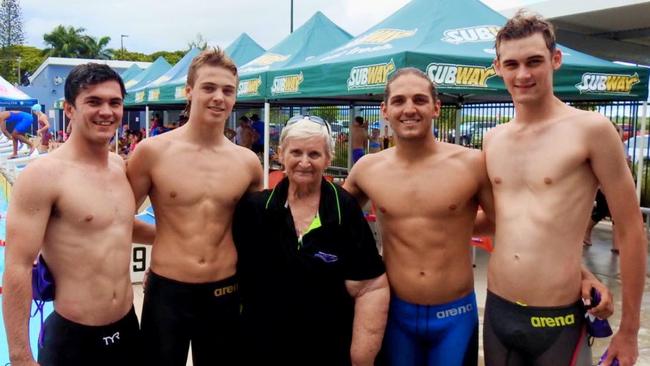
(155, 25)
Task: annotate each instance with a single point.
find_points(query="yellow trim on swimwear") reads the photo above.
(520, 303)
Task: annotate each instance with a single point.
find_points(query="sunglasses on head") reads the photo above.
(315, 119)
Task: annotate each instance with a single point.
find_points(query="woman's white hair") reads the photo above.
(304, 129)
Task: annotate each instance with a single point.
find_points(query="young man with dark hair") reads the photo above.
(545, 166)
(82, 223)
(194, 177)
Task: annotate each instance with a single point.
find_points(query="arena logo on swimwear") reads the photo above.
(463, 309)
(226, 290)
(370, 76)
(460, 76)
(478, 33)
(552, 322)
(249, 87)
(153, 95)
(616, 84)
(287, 84)
(378, 40)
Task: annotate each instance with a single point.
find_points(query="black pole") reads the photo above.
(291, 30)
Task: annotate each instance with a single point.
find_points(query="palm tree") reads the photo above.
(64, 42)
(96, 49)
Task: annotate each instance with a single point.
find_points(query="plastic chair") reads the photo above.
(275, 176)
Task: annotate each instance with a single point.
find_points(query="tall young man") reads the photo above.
(82, 222)
(194, 177)
(545, 166)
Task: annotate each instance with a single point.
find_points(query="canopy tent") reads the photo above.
(169, 89)
(151, 73)
(130, 72)
(244, 49)
(453, 42)
(150, 93)
(318, 35)
(12, 97)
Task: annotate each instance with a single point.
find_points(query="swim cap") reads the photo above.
(36, 108)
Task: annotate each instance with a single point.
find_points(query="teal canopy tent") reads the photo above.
(244, 49)
(318, 35)
(453, 42)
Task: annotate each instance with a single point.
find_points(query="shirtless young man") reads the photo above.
(82, 222)
(359, 138)
(545, 166)
(427, 194)
(194, 177)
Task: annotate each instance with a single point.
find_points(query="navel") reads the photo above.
(516, 256)
(548, 180)
(88, 218)
(453, 207)
(202, 261)
(422, 274)
(172, 194)
(497, 180)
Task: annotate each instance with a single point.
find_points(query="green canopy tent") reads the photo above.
(158, 88)
(450, 40)
(131, 72)
(244, 49)
(153, 72)
(319, 34)
(169, 89)
(453, 42)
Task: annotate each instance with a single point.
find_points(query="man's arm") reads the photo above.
(3, 124)
(370, 312)
(606, 306)
(138, 171)
(143, 233)
(257, 176)
(352, 186)
(609, 166)
(27, 218)
(46, 123)
(484, 222)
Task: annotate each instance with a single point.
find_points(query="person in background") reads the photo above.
(14, 125)
(43, 131)
(359, 133)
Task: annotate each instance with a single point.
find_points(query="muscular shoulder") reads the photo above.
(42, 175)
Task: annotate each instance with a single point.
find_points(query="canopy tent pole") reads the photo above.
(350, 129)
(117, 139)
(459, 120)
(639, 167)
(146, 120)
(267, 125)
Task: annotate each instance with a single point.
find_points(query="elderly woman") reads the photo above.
(312, 283)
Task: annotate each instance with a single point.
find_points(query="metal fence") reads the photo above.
(467, 126)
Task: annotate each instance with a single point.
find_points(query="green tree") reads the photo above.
(11, 35)
(64, 42)
(96, 49)
(11, 24)
(170, 56)
(130, 56)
